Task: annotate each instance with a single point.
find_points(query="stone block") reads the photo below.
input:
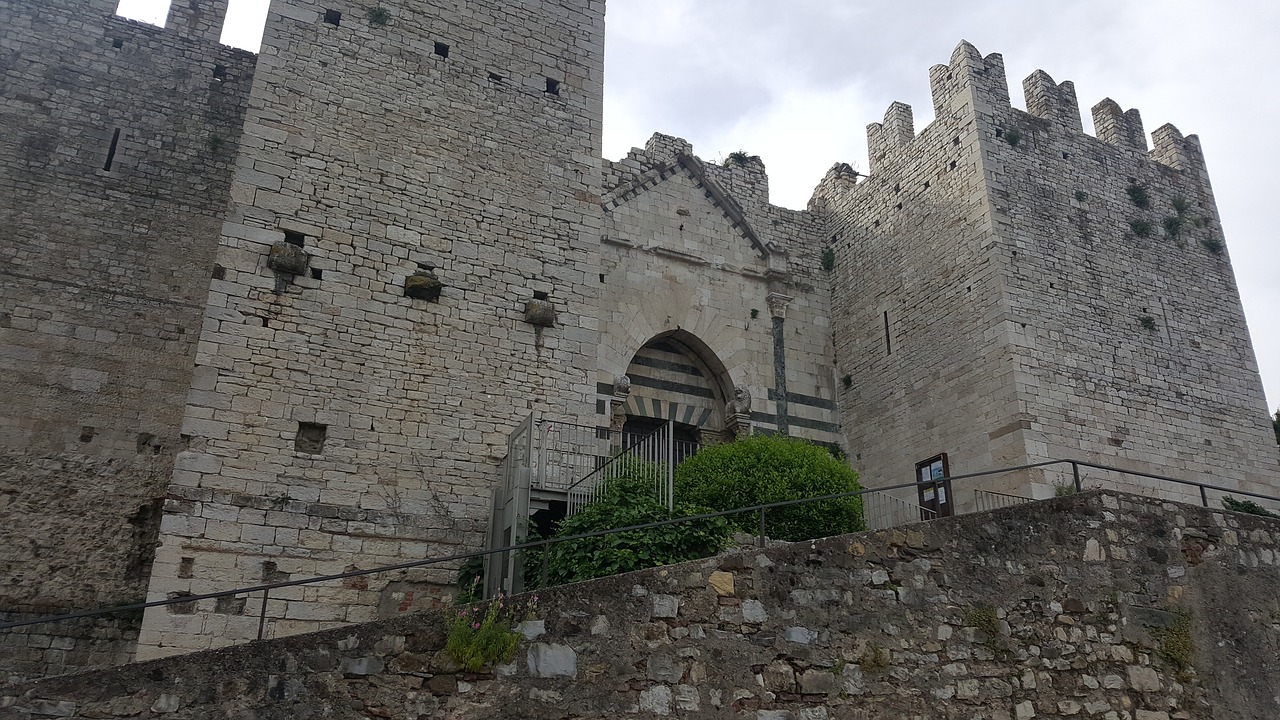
(547, 660)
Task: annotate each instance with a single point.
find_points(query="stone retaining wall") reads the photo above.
(1076, 607)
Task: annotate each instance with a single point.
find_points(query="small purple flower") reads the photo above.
(475, 626)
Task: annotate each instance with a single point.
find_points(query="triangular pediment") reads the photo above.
(690, 168)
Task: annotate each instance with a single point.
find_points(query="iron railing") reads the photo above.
(651, 458)
(1205, 491)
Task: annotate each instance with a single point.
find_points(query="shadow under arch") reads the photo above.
(675, 376)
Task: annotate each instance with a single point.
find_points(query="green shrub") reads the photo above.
(769, 468)
(628, 500)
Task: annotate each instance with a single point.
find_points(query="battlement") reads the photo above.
(969, 76)
(974, 85)
(1052, 101)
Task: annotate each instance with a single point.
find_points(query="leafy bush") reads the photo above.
(769, 468)
(628, 500)
(1246, 506)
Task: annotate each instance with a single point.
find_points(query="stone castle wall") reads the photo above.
(115, 171)
(917, 310)
(1129, 339)
(337, 421)
(1102, 605)
(1035, 311)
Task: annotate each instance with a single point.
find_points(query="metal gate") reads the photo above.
(509, 518)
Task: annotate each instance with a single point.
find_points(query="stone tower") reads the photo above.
(1011, 290)
(409, 180)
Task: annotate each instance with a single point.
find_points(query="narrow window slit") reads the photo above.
(333, 17)
(442, 50)
(495, 77)
(553, 87)
(219, 72)
(294, 237)
(111, 151)
(888, 347)
(117, 43)
(317, 274)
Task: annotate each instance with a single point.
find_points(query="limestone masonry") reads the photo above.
(275, 316)
(1102, 605)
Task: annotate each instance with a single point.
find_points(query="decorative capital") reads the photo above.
(778, 304)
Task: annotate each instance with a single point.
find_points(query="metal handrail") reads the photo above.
(545, 543)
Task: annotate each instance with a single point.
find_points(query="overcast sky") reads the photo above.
(797, 81)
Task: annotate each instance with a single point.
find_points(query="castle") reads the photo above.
(276, 316)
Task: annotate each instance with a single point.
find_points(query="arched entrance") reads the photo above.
(676, 378)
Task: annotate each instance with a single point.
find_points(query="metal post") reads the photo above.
(761, 527)
(546, 558)
(262, 614)
(1075, 473)
(1204, 497)
(671, 466)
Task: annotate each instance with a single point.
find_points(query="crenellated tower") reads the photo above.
(1010, 290)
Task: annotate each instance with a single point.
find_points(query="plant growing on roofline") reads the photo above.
(739, 157)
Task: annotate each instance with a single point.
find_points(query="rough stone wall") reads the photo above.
(334, 420)
(1101, 605)
(918, 314)
(103, 275)
(677, 261)
(1130, 343)
(1002, 298)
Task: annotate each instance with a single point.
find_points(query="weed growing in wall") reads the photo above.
(1173, 228)
(470, 579)
(828, 259)
(1141, 228)
(1138, 196)
(378, 16)
(477, 638)
(874, 659)
(1147, 322)
(1249, 506)
(1013, 137)
(1081, 196)
(1176, 645)
(739, 157)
